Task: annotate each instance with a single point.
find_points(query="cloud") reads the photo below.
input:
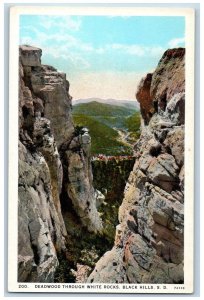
(176, 42)
(137, 50)
(26, 40)
(62, 54)
(155, 51)
(65, 57)
(129, 49)
(63, 37)
(55, 33)
(61, 23)
(62, 46)
(47, 36)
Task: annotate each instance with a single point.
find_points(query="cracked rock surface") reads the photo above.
(149, 246)
(52, 158)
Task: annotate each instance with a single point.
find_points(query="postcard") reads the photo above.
(101, 147)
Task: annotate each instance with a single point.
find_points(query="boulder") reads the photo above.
(30, 56)
(144, 98)
(81, 191)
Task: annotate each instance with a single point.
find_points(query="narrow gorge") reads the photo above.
(106, 219)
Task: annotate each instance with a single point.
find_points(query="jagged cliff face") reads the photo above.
(52, 158)
(148, 244)
(55, 168)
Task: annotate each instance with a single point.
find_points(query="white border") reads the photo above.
(15, 12)
(189, 155)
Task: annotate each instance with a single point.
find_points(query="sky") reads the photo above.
(103, 56)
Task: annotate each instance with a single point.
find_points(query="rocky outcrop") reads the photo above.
(148, 245)
(52, 158)
(80, 181)
(164, 87)
(50, 89)
(145, 98)
(41, 231)
(31, 58)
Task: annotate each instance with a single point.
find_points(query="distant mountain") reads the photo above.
(105, 122)
(95, 108)
(124, 103)
(104, 139)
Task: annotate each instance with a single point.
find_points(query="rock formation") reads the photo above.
(52, 157)
(148, 245)
(55, 169)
